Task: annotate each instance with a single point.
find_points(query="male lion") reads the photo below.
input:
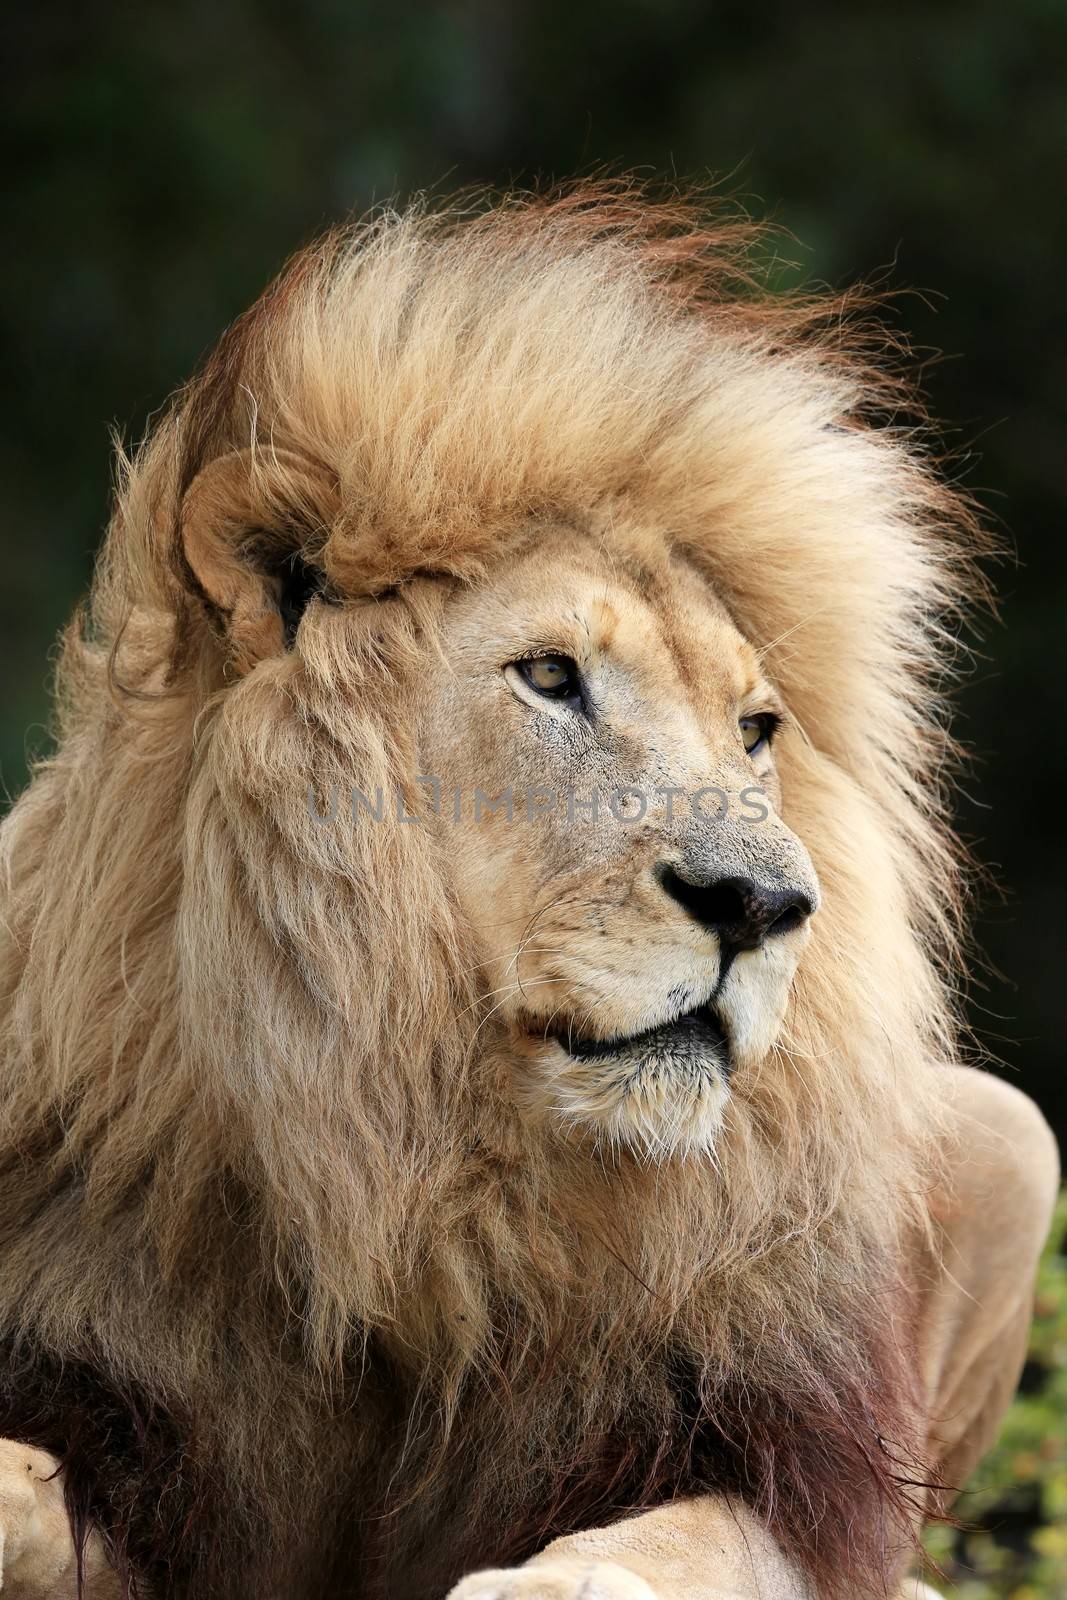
(480, 1103)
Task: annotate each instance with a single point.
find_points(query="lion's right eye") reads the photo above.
(555, 677)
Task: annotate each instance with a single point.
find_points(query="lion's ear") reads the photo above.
(251, 526)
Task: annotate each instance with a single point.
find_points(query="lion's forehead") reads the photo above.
(628, 607)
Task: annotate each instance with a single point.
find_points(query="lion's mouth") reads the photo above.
(693, 1037)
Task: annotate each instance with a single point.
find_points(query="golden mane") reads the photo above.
(252, 1134)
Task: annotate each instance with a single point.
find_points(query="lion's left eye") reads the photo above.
(758, 731)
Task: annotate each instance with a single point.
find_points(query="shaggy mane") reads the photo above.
(255, 1140)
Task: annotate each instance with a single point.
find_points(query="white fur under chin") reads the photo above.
(659, 1112)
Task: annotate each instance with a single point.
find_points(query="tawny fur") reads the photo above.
(257, 1171)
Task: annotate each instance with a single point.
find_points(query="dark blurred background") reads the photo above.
(163, 161)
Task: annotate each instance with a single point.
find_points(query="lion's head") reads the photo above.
(315, 949)
(605, 789)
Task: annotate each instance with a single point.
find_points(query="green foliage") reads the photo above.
(1013, 1545)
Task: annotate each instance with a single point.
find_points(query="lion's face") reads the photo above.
(604, 741)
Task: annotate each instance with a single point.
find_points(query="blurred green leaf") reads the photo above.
(1013, 1545)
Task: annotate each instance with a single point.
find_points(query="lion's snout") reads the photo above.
(740, 911)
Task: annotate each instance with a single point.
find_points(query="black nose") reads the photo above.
(741, 912)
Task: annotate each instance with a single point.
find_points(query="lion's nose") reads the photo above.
(742, 912)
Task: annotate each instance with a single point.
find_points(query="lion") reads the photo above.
(483, 1108)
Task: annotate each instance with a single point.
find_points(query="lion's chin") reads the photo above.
(661, 1092)
(657, 1114)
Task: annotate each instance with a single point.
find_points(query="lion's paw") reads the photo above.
(36, 1550)
(37, 1559)
(555, 1580)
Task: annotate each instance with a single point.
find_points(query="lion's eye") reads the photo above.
(758, 731)
(555, 677)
